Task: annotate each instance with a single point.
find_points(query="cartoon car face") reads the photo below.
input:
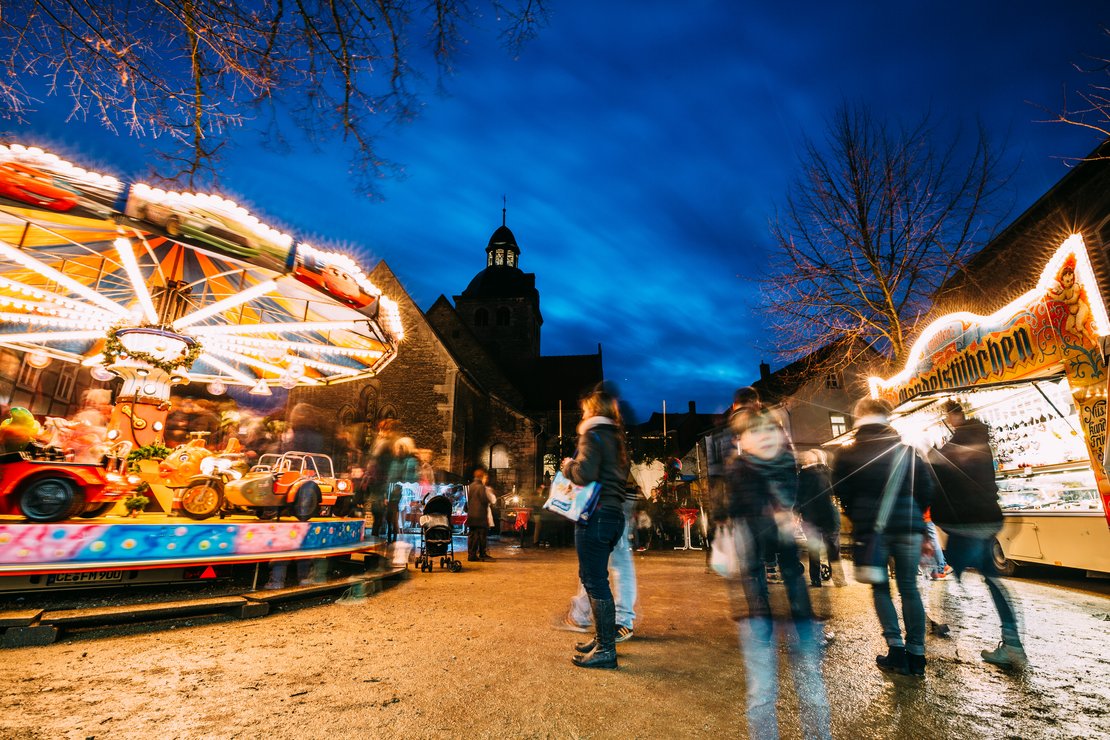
(28, 185)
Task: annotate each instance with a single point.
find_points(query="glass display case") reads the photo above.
(1039, 449)
(1067, 488)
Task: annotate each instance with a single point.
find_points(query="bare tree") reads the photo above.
(196, 70)
(872, 228)
(1089, 108)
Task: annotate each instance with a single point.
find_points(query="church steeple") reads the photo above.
(502, 250)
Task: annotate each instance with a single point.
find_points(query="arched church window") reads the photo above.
(499, 257)
(481, 317)
(499, 457)
(510, 259)
(504, 316)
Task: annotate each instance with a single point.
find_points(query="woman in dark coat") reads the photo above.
(601, 458)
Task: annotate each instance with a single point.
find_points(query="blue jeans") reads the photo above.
(761, 676)
(594, 542)
(973, 550)
(622, 567)
(906, 551)
(931, 533)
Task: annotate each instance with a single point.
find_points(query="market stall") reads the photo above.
(1033, 371)
(141, 291)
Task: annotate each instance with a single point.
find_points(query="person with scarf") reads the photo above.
(862, 474)
(763, 490)
(601, 458)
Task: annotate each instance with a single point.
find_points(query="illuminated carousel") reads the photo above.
(145, 290)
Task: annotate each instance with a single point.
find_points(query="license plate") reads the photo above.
(100, 576)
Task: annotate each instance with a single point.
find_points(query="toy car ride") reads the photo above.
(39, 484)
(299, 483)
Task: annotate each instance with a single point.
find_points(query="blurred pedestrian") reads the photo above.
(621, 567)
(763, 489)
(402, 469)
(479, 499)
(820, 517)
(876, 478)
(377, 473)
(967, 509)
(720, 450)
(601, 458)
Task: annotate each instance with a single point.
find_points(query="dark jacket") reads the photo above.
(477, 505)
(860, 474)
(967, 492)
(758, 489)
(815, 503)
(599, 459)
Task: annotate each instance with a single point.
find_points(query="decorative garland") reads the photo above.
(113, 349)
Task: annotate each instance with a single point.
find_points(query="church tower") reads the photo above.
(502, 306)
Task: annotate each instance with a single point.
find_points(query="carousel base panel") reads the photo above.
(161, 541)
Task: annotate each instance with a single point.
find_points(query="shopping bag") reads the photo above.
(574, 502)
(725, 558)
(869, 559)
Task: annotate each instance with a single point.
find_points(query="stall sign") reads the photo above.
(1059, 322)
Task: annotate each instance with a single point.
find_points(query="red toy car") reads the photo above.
(28, 185)
(47, 490)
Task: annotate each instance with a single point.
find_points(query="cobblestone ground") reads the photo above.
(477, 654)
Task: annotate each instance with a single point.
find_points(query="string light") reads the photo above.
(126, 254)
(256, 291)
(26, 260)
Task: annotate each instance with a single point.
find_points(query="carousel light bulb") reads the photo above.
(113, 434)
(296, 371)
(217, 388)
(38, 360)
(142, 372)
(150, 389)
(273, 354)
(102, 374)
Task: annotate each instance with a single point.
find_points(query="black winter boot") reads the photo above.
(894, 660)
(604, 653)
(915, 664)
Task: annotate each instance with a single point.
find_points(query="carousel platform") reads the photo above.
(161, 541)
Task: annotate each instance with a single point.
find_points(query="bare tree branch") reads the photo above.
(195, 71)
(874, 225)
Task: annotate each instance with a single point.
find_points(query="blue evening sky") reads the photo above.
(643, 146)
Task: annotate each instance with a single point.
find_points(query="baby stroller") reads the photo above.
(435, 536)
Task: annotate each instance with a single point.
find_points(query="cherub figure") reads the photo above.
(1065, 290)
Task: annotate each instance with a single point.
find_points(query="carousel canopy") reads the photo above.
(89, 264)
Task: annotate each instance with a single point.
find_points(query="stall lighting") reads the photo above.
(232, 301)
(275, 328)
(49, 321)
(1084, 276)
(52, 336)
(217, 388)
(126, 253)
(38, 360)
(45, 295)
(260, 388)
(102, 374)
(225, 368)
(279, 347)
(26, 260)
(328, 367)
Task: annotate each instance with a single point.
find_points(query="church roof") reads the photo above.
(503, 238)
(502, 281)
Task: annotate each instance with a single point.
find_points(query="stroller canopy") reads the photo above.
(437, 506)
